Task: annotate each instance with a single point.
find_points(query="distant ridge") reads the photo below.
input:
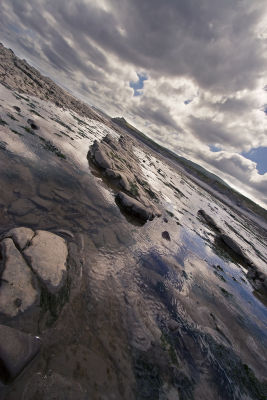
(212, 180)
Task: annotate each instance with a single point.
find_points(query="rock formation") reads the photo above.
(118, 164)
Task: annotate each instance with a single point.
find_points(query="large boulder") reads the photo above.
(99, 156)
(47, 255)
(17, 349)
(134, 207)
(17, 292)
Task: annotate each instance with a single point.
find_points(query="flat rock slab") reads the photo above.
(47, 255)
(231, 244)
(17, 349)
(17, 292)
(54, 386)
(21, 207)
(21, 236)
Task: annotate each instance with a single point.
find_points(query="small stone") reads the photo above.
(166, 235)
(173, 325)
(32, 124)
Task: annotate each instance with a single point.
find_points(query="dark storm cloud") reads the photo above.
(153, 110)
(232, 106)
(211, 41)
(209, 132)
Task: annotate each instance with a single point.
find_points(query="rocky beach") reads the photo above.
(121, 275)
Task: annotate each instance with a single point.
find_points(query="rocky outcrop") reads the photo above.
(17, 292)
(134, 207)
(257, 278)
(30, 260)
(17, 349)
(117, 163)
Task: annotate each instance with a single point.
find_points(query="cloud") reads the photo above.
(239, 172)
(211, 51)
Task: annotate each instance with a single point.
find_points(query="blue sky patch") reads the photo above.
(137, 86)
(214, 149)
(187, 101)
(259, 155)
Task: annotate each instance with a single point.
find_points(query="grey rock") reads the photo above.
(209, 221)
(229, 242)
(257, 279)
(166, 235)
(112, 174)
(110, 141)
(17, 349)
(47, 255)
(17, 293)
(119, 163)
(21, 207)
(32, 124)
(98, 155)
(45, 204)
(21, 236)
(124, 183)
(134, 207)
(173, 325)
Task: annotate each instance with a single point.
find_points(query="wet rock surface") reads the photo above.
(29, 261)
(17, 292)
(134, 207)
(21, 236)
(47, 254)
(135, 316)
(17, 349)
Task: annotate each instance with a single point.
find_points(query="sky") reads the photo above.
(189, 74)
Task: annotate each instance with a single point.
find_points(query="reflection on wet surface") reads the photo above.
(147, 318)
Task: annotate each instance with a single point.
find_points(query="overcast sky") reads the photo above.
(190, 74)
